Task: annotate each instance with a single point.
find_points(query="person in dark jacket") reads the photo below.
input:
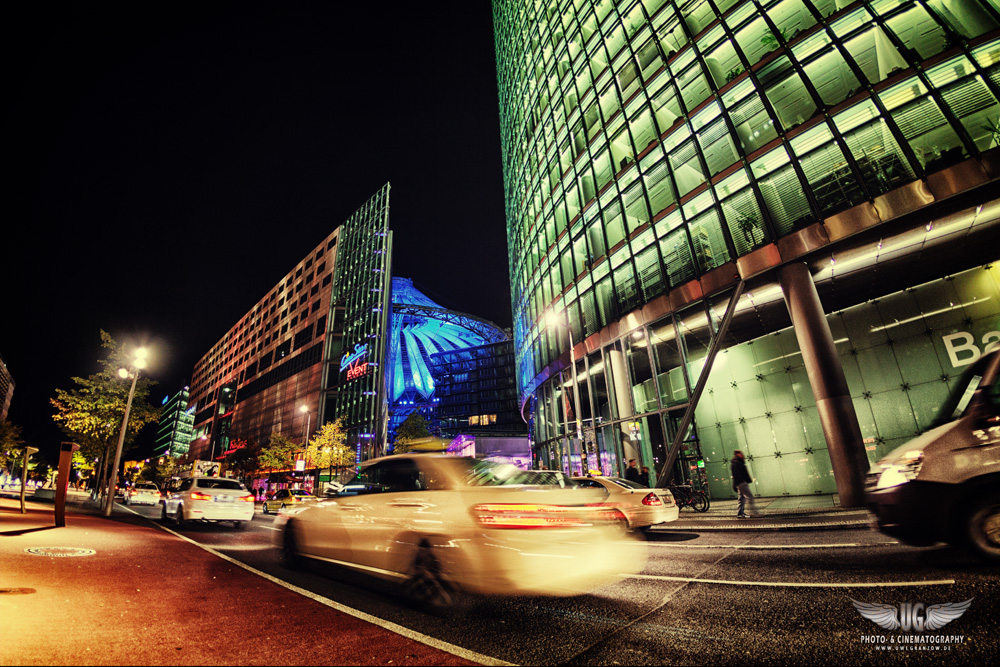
(741, 484)
(632, 473)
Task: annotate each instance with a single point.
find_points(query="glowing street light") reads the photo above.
(138, 363)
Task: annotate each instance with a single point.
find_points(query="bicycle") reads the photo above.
(686, 496)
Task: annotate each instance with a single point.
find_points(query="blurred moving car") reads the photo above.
(143, 493)
(207, 499)
(442, 525)
(285, 498)
(944, 485)
(642, 506)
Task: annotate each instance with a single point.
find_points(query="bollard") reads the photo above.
(28, 451)
(66, 450)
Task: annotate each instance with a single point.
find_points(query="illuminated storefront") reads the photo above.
(824, 158)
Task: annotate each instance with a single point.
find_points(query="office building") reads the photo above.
(6, 389)
(685, 180)
(176, 429)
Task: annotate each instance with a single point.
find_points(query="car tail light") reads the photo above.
(246, 499)
(522, 516)
(652, 500)
(197, 495)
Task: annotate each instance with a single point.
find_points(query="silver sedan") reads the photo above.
(643, 507)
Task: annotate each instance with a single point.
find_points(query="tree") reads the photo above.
(92, 413)
(243, 458)
(328, 447)
(11, 444)
(413, 428)
(279, 453)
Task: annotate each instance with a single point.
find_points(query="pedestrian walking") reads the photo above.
(632, 472)
(644, 476)
(741, 484)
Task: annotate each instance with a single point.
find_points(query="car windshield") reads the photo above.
(298, 492)
(628, 484)
(146, 487)
(960, 397)
(219, 483)
(491, 473)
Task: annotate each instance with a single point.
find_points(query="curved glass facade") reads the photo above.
(656, 147)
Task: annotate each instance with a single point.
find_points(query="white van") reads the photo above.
(944, 486)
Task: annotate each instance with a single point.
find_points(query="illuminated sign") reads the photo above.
(357, 370)
(360, 350)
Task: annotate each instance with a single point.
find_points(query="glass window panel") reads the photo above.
(724, 64)
(591, 323)
(883, 165)
(628, 78)
(969, 99)
(643, 130)
(667, 362)
(644, 394)
(791, 16)
(636, 212)
(917, 30)
(659, 187)
(875, 54)
(787, 93)
(651, 279)
(697, 14)
(595, 236)
(672, 38)
(742, 214)
(782, 192)
(613, 223)
(602, 169)
(831, 76)
(754, 127)
(924, 126)
(686, 168)
(709, 245)
(694, 86)
(649, 58)
(677, 256)
(826, 170)
(666, 108)
(966, 17)
(717, 146)
(756, 40)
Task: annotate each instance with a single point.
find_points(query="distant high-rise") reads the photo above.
(173, 438)
(6, 389)
(826, 163)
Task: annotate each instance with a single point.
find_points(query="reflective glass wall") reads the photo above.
(648, 142)
(900, 353)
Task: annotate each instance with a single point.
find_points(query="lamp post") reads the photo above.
(555, 321)
(138, 362)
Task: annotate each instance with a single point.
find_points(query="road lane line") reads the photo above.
(350, 611)
(792, 584)
(848, 545)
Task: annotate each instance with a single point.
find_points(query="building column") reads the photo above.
(829, 385)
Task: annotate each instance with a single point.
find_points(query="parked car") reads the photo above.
(286, 498)
(207, 499)
(642, 506)
(143, 493)
(944, 485)
(442, 525)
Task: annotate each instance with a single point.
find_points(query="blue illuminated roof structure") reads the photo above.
(420, 328)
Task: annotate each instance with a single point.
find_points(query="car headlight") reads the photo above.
(902, 470)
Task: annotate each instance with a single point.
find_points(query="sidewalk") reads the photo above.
(820, 512)
(120, 591)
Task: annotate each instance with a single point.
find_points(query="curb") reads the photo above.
(773, 527)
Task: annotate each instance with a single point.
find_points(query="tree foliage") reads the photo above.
(11, 443)
(92, 413)
(328, 447)
(413, 428)
(279, 453)
(243, 458)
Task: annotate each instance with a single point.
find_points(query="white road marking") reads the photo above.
(350, 611)
(793, 584)
(847, 545)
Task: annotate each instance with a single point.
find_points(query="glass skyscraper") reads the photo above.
(664, 158)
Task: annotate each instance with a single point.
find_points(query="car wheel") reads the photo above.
(983, 526)
(264, 508)
(179, 517)
(163, 513)
(290, 547)
(426, 586)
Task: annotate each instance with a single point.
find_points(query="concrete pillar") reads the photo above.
(829, 385)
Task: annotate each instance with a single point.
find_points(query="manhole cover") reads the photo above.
(61, 552)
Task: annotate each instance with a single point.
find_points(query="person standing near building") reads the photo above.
(741, 484)
(632, 473)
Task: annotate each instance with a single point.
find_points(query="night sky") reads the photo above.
(168, 163)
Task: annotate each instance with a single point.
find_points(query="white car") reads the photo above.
(207, 499)
(143, 493)
(439, 525)
(644, 507)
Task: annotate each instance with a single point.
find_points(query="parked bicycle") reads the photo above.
(686, 496)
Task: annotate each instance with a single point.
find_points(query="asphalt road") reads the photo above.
(714, 599)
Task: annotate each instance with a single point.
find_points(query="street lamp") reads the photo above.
(138, 363)
(554, 321)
